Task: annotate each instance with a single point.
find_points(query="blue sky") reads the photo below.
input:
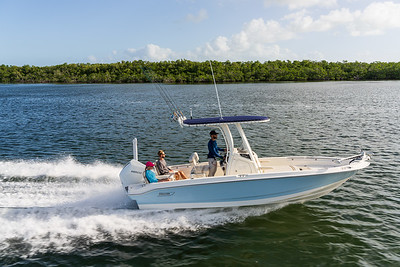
(51, 32)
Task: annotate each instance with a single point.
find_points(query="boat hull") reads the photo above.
(247, 190)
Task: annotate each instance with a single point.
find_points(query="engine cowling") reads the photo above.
(132, 173)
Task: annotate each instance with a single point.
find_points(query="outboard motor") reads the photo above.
(132, 173)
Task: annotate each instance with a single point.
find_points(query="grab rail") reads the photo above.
(362, 156)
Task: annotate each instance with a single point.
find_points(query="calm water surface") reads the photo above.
(62, 147)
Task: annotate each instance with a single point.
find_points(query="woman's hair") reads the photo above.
(160, 152)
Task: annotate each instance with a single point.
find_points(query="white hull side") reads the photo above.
(293, 198)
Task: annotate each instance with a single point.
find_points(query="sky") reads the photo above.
(52, 32)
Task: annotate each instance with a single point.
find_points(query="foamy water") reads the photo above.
(48, 205)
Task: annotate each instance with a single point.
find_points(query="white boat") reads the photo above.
(244, 179)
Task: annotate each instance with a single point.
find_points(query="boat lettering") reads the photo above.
(136, 172)
(167, 194)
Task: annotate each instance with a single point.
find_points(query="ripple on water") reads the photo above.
(60, 209)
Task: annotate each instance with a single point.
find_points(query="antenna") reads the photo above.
(216, 90)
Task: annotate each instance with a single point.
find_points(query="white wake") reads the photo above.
(61, 168)
(86, 201)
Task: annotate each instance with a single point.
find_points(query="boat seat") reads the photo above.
(156, 168)
(146, 181)
(194, 159)
(200, 170)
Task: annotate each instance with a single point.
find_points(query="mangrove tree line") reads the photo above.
(186, 71)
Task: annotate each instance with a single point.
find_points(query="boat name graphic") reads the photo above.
(167, 194)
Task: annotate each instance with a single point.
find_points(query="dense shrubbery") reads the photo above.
(185, 71)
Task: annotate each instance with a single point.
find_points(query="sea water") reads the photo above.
(62, 147)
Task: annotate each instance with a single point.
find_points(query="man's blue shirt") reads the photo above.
(151, 176)
(213, 149)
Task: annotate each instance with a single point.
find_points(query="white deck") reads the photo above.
(268, 165)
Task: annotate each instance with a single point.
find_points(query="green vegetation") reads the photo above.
(185, 71)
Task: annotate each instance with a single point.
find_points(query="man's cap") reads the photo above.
(213, 132)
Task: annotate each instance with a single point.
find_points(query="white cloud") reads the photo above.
(253, 42)
(199, 17)
(375, 19)
(271, 31)
(154, 52)
(151, 52)
(315, 55)
(131, 50)
(261, 40)
(302, 22)
(92, 59)
(258, 39)
(297, 4)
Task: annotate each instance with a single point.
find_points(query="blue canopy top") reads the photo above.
(227, 120)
